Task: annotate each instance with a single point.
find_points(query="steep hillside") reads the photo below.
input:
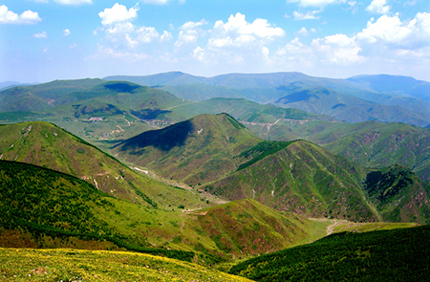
(399, 194)
(44, 208)
(194, 151)
(375, 144)
(393, 255)
(248, 227)
(300, 177)
(44, 144)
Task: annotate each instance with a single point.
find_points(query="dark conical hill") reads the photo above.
(195, 151)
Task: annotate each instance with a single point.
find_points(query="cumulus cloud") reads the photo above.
(237, 32)
(190, 32)
(104, 52)
(310, 15)
(119, 29)
(74, 2)
(378, 7)
(338, 49)
(9, 17)
(304, 32)
(166, 36)
(391, 30)
(315, 3)
(118, 13)
(41, 35)
(66, 32)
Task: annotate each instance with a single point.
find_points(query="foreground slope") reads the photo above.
(83, 265)
(44, 144)
(391, 255)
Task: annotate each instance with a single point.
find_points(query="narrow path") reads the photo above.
(168, 109)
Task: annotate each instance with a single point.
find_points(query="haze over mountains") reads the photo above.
(210, 169)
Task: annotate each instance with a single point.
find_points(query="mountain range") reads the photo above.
(209, 170)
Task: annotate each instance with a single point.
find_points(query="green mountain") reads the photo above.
(44, 144)
(391, 255)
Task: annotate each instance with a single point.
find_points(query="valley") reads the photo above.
(190, 177)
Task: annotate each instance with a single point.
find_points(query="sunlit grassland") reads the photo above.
(84, 265)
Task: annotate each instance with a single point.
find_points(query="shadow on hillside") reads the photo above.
(164, 139)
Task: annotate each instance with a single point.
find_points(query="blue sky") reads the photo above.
(43, 40)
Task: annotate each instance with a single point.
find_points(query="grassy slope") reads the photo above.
(391, 255)
(247, 227)
(46, 145)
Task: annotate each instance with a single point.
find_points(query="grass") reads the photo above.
(84, 265)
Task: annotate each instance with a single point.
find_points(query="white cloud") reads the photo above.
(303, 32)
(157, 2)
(166, 36)
(310, 15)
(237, 32)
(66, 32)
(190, 32)
(391, 30)
(40, 1)
(338, 49)
(378, 7)
(110, 53)
(118, 13)
(315, 3)
(146, 34)
(9, 17)
(41, 35)
(74, 2)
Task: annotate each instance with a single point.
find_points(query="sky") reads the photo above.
(44, 40)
